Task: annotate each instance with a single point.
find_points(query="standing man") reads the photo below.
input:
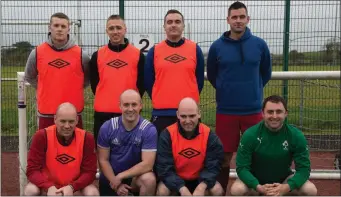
(189, 156)
(62, 158)
(174, 70)
(58, 69)
(265, 155)
(114, 68)
(127, 150)
(238, 67)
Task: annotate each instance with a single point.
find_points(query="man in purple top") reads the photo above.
(127, 151)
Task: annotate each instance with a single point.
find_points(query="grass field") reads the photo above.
(315, 108)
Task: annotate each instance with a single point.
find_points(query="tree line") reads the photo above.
(16, 55)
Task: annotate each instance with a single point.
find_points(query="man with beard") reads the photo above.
(265, 155)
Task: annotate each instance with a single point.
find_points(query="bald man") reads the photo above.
(189, 155)
(126, 151)
(62, 159)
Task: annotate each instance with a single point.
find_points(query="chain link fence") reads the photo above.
(312, 35)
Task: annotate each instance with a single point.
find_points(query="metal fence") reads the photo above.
(302, 35)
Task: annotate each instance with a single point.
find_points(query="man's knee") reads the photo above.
(217, 190)
(162, 190)
(238, 188)
(31, 190)
(90, 190)
(148, 179)
(308, 189)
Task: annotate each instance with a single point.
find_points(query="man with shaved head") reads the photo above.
(62, 158)
(189, 156)
(126, 148)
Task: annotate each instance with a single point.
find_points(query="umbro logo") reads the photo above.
(189, 153)
(64, 158)
(175, 58)
(117, 63)
(59, 63)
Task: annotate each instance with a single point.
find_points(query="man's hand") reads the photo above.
(123, 190)
(52, 191)
(65, 191)
(115, 182)
(184, 191)
(200, 189)
(261, 189)
(279, 190)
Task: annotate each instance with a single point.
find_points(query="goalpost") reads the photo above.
(288, 75)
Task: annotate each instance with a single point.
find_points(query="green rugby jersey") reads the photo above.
(265, 156)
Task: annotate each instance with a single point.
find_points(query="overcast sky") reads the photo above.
(312, 23)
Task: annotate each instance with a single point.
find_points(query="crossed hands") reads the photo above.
(63, 191)
(120, 188)
(275, 189)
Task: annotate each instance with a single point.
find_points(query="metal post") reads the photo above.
(189, 31)
(335, 37)
(0, 64)
(286, 46)
(22, 131)
(301, 102)
(121, 7)
(79, 24)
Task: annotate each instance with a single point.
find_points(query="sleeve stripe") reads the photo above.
(149, 150)
(144, 124)
(103, 147)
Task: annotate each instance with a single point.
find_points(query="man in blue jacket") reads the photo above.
(238, 67)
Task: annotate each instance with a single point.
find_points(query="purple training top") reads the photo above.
(126, 146)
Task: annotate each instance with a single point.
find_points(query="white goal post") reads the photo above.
(287, 75)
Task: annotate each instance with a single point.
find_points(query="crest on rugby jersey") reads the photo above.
(259, 139)
(285, 145)
(241, 145)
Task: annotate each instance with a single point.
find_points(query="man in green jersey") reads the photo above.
(265, 155)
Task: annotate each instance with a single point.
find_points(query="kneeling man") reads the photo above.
(62, 158)
(265, 155)
(126, 151)
(189, 155)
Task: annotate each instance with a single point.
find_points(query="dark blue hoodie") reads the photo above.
(238, 70)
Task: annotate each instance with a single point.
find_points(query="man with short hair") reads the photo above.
(265, 155)
(238, 67)
(127, 150)
(58, 69)
(189, 155)
(114, 68)
(62, 158)
(174, 70)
